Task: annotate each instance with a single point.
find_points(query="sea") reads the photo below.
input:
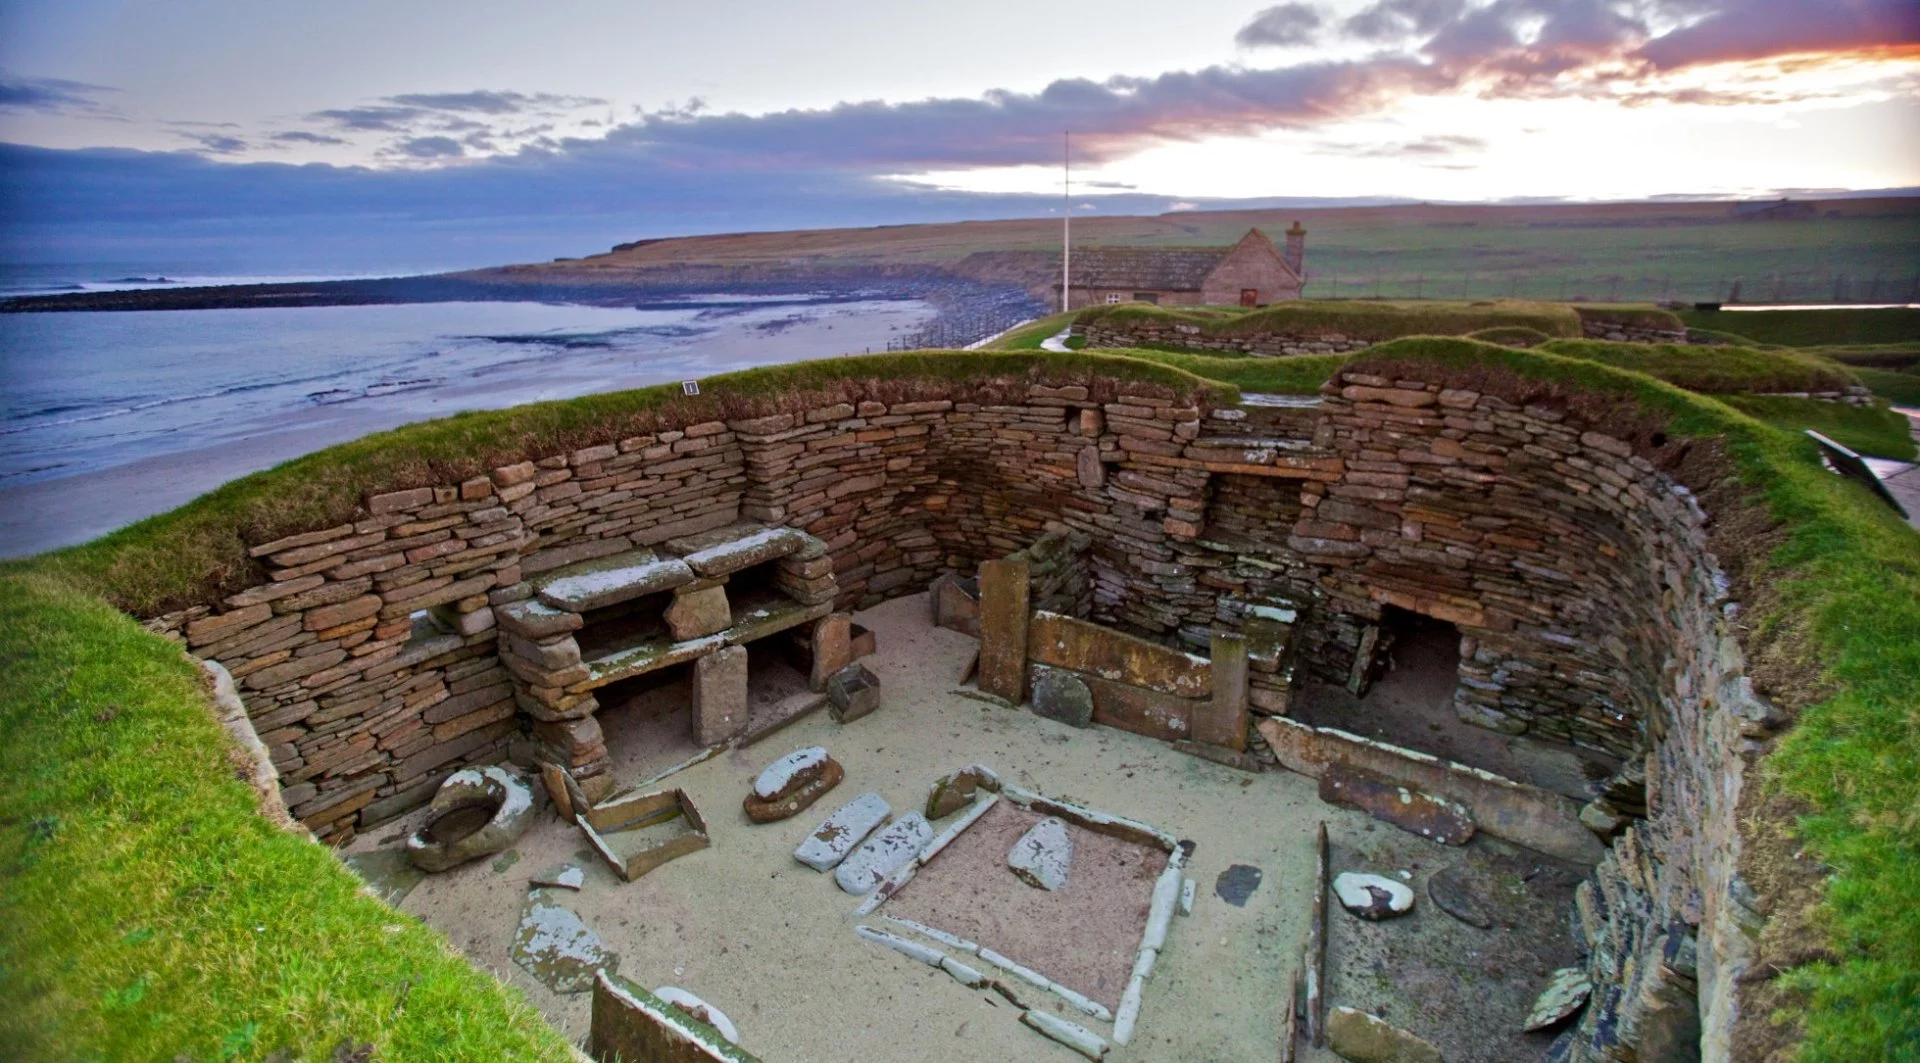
(81, 392)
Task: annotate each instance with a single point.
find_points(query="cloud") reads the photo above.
(369, 119)
(52, 96)
(484, 101)
(1424, 150)
(217, 143)
(302, 136)
(1280, 26)
(1760, 29)
(430, 148)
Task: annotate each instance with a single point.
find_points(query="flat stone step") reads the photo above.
(1268, 400)
(1252, 443)
(849, 825)
(737, 546)
(610, 580)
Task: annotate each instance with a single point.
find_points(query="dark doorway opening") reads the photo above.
(1249, 297)
(1415, 670)
(647, 722)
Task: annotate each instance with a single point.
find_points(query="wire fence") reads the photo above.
(1775, 286)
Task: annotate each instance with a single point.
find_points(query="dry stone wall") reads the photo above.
(1577, 571)
(1193, 337)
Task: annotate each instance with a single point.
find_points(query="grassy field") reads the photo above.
(1370, 320)
(1714, 370)
(1028, 337)
(1811, 328)
(1873, 430)
(1853, 250)
(148, 912)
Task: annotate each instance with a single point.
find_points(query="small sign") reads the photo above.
(689, 387)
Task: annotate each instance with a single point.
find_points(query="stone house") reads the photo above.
(1253, 272)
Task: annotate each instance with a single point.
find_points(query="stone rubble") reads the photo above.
(1373, 897)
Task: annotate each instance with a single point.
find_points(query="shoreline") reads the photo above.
(62, 511)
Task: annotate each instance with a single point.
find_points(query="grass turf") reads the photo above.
(1811, 328)
(1874, 430)
(1028, 337)
(1901, 388)
(1713, 370)
(148, 912)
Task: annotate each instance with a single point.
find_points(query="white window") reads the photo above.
(1112, 298)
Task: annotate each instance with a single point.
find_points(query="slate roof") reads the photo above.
(1167, 269)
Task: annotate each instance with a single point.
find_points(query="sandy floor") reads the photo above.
(73, 509)
(770, 942)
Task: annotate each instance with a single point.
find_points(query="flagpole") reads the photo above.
(1066, 221)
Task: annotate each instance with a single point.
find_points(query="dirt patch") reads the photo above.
(1084, 935)
(1465, 989)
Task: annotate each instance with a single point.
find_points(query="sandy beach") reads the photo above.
(49, 513)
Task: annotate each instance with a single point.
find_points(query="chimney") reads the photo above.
(1296, 253)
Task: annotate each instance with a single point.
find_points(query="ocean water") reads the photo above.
(86, 391)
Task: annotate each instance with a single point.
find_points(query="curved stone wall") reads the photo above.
(1576, 569)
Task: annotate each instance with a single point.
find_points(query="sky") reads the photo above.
(483, 131)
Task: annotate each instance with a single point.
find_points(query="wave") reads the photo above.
(606, 339)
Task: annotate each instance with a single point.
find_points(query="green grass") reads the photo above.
(1630, 315)
(1844, 585)
(198, 552)
(1874, 430)
(1901, 389)
(1812, 328)
(1355, 319)
(1511, 336)
(147, 912)
(1713, 370)
(1028, 337)
(1300, 375)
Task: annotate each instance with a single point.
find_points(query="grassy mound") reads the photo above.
(1301, 375)
(1511, 336)
(1713, 370)
(197, 553)
(1354, 319)
(1811, 328)
(1850, 770)
(1873, 430)
(1028, 337)
(1900, 388)
(147, 911)
(1628, 315)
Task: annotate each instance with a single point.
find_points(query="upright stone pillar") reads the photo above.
(720, 696)
(832, 648)
(1224, 722)
(1003, 629)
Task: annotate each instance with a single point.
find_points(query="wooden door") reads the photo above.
(1249, 297)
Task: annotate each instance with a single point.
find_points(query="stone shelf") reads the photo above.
(611, 580)
(737, 546)
(760, 614)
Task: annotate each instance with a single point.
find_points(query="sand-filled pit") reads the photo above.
(1084, 935)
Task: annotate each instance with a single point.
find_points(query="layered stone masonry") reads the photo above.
(376, 656)
(1618, 332)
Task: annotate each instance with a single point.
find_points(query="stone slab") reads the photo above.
(883, 854)
(1361, 1038)
(698, 612)
(1081, 646)
(1043, 855)
(535, 619)
(847, 827)
(611, 580)
(798, 800)
(1433, 818)
(1003, 629)
(720, 696)
(730, 549)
